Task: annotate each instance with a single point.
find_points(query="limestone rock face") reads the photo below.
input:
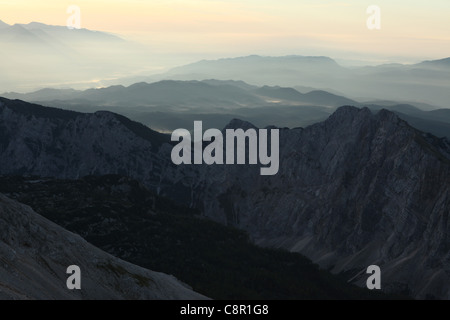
(35, 254)
(355, 190)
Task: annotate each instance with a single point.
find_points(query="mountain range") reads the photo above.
(81, 58)
(36, 253)
(67, 57)
(124, 218)
(168, 105)
(425, 82)
(193, 94)
(352, 191)
(50, 35)
(357, 189)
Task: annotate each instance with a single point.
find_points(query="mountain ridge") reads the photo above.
(3, 24)
(357, 189)
(87, 55)
(407, 82)
(343, 185)
(168, 105)
(219, 94)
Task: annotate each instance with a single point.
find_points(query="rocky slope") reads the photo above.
(119, 215)
(35, 254)
(36, 140)
(355, 190)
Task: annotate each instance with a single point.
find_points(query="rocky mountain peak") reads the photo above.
(346, 113)
(388, 116)
(239, 124)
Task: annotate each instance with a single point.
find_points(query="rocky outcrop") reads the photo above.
(356, 190)
(35, 254)
(48, 142)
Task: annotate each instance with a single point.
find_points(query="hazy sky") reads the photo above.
(410, 29)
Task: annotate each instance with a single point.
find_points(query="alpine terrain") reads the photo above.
(358, 189)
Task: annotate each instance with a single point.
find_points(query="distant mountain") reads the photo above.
(441, 114)
(240, 84)
(424, 82)
(255, 63)
(17, 33)
(280, 93)
(208, 94)
(355, 190)
(67, 57)
(23, 32)
(68, 35)
(320, 97)
(168, 105)
(390, 103)
(315, 97)
(44, 94)
(399, 108)
(3, 25)
(192, 93)
(442, 63)
(164, 93)
(36, 254)
(52, 40)
(285, 71)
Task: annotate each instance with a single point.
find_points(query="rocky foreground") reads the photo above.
(35, 254)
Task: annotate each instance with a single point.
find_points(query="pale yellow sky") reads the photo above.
(409, 29)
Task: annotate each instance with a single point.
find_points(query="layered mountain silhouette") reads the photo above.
(357, 189)
(41, 31)
(168, 105)
(423, 82)
(210, 94)
(81, 58)
(442, 63)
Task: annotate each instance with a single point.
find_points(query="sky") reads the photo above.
(410, 30)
